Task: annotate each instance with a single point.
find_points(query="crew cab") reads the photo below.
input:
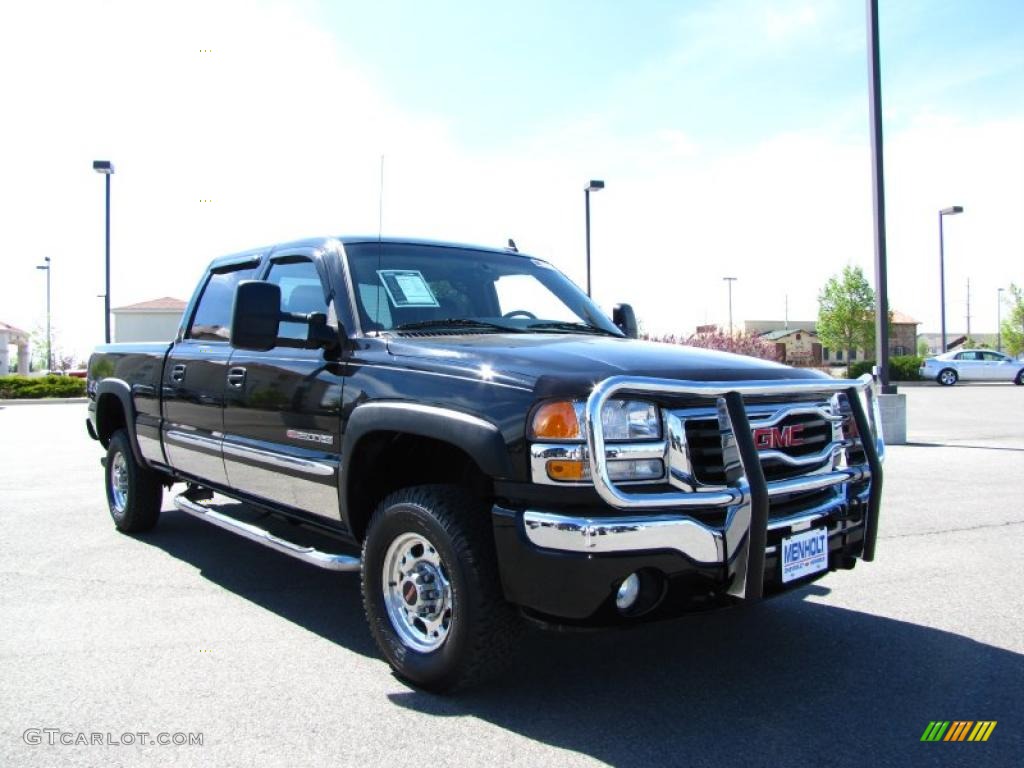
(466, 428)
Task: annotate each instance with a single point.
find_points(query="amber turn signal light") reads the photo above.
(559, 469)
(557, 421)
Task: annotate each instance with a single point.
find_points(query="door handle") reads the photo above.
(236, 377)
(178, 373)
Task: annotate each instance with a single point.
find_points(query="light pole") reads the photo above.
(999, 319)
(730, 281)
(594, 186)
(951, 211)
(49, 347)
(107, 169)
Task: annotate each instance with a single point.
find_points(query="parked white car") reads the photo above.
(972, 365)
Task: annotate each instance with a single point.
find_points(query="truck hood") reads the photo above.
(554, 364)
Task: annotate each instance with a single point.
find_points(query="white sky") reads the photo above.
(282, 126)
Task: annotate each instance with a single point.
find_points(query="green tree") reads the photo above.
(846, 312)
(1013, 321)
(922, 348)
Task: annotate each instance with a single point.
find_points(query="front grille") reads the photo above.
(811, 431)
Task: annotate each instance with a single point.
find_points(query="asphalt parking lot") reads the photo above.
(191, 629)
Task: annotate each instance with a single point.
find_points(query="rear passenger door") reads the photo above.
(283, 407)
(970, 366)
(194, 379)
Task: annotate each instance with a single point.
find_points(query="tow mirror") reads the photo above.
(256, 320)
(625, 320)
(256, 315)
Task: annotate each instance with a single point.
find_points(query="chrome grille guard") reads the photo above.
(747, 495)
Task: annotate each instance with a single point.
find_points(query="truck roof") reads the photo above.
(256, 254)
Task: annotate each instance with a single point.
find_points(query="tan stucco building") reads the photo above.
(155, 320)
(13, 337)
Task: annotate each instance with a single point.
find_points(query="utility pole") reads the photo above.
(968, 308)
(999, 319)
(730, 281)
(878, 200)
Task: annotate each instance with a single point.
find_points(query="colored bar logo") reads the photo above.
(958, 730)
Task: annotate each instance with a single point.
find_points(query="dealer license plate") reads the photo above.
(804, 554)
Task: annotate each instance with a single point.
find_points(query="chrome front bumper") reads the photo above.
(740, 542)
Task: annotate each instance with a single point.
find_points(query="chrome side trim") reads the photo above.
(327, 560)
(192, 440)
(449, 413)
(278, 460)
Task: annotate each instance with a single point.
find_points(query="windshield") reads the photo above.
(406, 286)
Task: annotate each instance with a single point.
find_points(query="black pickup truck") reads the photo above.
(465, 427)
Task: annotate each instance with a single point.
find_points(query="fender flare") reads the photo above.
(123, 392)
(477, 437)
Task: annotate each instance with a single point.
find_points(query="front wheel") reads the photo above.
(1019, 381)
(134, 492)
(431, 588)
(947, 377)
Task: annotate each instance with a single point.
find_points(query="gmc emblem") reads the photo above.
(773, 437)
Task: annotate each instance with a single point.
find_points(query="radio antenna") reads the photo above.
(380, 245)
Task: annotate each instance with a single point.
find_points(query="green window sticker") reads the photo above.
(407, 288)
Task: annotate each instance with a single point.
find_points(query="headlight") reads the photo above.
(562, 421)
(620, 420)
(630, 420)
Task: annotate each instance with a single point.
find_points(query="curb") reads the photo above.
(45, 401)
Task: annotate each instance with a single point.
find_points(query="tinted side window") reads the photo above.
(212, 320)
(301, 291)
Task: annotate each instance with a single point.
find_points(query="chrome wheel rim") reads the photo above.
(948, 377)
(119, 482)
(417, 593)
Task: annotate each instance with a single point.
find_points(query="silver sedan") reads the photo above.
(972, 365)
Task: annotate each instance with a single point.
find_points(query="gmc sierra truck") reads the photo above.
(465, 428)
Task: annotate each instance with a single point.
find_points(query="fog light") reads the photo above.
(629, 591)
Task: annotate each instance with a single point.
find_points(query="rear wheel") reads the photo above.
(134, 492)
(431, 588)
(947, 377)
(1019, 381)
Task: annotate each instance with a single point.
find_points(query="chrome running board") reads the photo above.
(328, 560)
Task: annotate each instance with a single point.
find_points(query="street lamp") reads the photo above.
(999, 319)
(107, 169)
(730, 281)
(952, 211)
(49, 348)
(594, 186)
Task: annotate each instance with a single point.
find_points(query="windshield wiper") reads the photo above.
(570, 327)
(456, 322)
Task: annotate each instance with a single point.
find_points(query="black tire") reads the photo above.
(134, 492)
(1019, 381)
(947, 377)
(482, 627)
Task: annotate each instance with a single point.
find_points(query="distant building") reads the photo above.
(795, 346)
(957, 340)
(902, 339)
(155, 320)
(13, 337)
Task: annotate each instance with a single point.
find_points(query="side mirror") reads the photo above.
(256, 315)
(625, 320)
